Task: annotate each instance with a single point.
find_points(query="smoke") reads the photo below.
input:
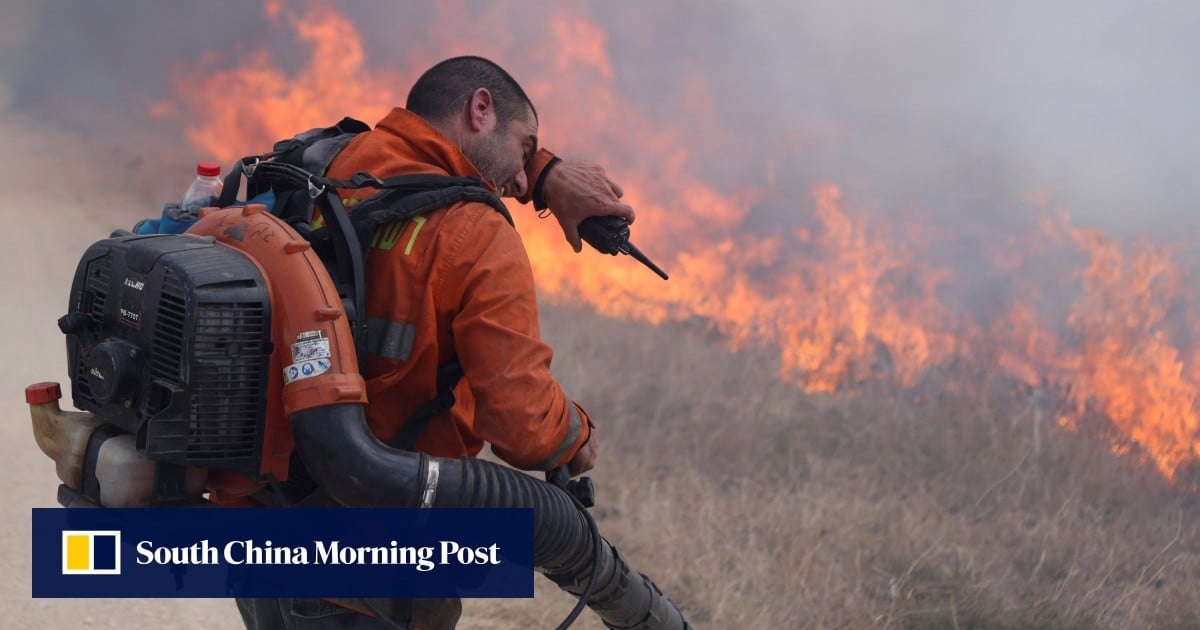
(964, 103)
(960, 107)
(875, 188)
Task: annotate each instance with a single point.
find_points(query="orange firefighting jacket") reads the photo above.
(456, 284)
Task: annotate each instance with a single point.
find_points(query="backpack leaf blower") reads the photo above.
(204, 363)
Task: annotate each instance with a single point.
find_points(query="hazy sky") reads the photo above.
(956, 104)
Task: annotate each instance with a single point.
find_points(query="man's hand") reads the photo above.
(585, 458)
(575, 191)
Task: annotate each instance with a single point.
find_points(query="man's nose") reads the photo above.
(520, 185)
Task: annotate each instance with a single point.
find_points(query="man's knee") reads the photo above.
(299, 614)
(436, 614)
(317, 614)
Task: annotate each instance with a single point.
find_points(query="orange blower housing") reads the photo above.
(202, 345)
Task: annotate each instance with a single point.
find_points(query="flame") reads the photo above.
(236, 111)
(1130, 366)
(849, 294)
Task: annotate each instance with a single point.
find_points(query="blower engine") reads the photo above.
(204, 362)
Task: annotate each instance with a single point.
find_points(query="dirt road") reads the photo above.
(48, 221)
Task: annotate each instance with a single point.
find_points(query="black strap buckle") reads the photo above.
(314, 190)
(363, 178)
(248, 169)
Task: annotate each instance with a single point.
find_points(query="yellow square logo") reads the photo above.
(91, 553)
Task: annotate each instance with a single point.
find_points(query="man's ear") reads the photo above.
(481, 112)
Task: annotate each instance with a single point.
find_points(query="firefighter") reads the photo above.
(455, 288)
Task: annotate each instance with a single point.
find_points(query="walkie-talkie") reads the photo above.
(610, 235)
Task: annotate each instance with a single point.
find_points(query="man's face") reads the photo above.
(501, 155)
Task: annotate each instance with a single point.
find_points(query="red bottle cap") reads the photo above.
(208, 169)
(39, 393)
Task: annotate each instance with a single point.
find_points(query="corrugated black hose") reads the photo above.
(357, 470)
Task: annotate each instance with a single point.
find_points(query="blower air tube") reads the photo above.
(349, 463)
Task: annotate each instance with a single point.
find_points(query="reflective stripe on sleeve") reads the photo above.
(574, 426)
(389, 339)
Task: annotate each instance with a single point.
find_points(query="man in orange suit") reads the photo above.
(455, 287)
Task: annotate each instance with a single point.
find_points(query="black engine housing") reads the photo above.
(168, 338)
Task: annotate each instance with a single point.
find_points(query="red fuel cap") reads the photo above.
(39, 393)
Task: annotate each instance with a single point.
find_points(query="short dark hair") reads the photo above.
(444, 89)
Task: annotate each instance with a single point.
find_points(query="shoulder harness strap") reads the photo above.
(447, 378)
(294, 171)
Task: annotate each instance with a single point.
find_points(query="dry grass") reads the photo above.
(754, 505)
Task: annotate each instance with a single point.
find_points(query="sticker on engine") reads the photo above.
(310, 345)
(305, 369)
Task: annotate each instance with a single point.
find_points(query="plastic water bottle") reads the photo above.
(203, 192)
(176, 218)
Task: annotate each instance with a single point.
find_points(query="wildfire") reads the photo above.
(846, 294)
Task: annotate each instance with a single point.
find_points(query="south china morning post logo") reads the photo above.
(293, 552)
(91, 552)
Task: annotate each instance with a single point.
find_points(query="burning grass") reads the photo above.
(849, 285)
(959, 503)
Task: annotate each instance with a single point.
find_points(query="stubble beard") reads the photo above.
(488, 157)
